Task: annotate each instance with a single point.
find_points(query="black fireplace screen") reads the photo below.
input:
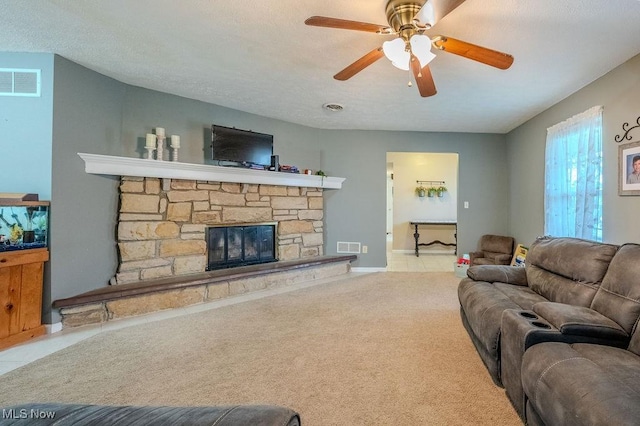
(231, 246)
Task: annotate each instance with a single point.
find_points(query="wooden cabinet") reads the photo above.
(21, 295)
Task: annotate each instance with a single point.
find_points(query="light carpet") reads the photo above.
(377, 349)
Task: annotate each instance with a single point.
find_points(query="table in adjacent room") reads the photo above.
(416, 234)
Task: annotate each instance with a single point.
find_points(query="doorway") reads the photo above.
(405, 172)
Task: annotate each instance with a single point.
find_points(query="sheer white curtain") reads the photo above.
(573, 177)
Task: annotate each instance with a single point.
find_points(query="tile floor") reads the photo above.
(25, 353)
(426, 262)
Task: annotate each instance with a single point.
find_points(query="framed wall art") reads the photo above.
(629, 169)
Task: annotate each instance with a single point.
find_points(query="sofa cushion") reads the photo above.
(524, 297)
(496, 257)
(482, 304)
(582, 384)
(568, 270)
(484, 261)
(496, 244)
(619, 294)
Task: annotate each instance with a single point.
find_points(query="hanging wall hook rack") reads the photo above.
(431, 182)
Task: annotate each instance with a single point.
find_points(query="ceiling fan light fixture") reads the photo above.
(396, 51)
(421, 48)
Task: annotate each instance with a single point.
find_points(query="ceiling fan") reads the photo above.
(409, 19)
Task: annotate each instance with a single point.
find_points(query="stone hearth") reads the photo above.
(126, 300)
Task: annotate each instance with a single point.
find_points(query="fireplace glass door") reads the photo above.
(231, 246)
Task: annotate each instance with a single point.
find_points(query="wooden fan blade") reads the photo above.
(424, 79)
(343, 24)
(472, 51)
(438, 9)
(360, 64)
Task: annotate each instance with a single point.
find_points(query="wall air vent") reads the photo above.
(19, 82)
(347, 247)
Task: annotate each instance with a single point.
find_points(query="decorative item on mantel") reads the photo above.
(160, 148)
(150, 145)
(155, 142)
(175, 145)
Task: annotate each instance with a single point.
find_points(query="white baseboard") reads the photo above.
(53, 328)
(368, 269)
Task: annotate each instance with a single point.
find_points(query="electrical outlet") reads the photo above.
(466, 204)
(365, 249)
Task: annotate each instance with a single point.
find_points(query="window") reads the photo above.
(573, 177)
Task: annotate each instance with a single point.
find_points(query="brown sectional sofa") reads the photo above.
(575, 294)
(57, 414)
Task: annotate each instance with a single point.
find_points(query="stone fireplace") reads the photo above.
(163, 223)
(166, 213)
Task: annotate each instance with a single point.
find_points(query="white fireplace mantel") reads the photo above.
(126, 166)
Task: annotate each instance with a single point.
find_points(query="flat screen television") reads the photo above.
(240, 147)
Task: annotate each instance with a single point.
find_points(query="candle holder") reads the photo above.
(174, 153)
(150, 150)
(160, 149)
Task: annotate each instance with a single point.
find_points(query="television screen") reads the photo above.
(241, 146)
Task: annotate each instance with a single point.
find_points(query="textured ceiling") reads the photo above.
(259, 57)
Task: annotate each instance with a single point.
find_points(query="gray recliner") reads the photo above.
(493, 250)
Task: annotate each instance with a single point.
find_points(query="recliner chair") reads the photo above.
(493, 250)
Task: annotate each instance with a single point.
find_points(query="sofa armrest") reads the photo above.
(498, 273)
(474, 255)
(580, 321)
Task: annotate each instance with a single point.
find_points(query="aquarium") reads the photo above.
(24, 225)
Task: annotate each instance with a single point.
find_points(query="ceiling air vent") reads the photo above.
(347, 247)
(333, 107)
(19, 82)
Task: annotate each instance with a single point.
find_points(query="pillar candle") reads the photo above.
(151, 140)
(175, 141)
(160, 131)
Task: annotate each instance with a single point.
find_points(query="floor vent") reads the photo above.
(347, 247)
(19, 82)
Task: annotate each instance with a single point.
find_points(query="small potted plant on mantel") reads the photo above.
(441, 190)
(421, 191)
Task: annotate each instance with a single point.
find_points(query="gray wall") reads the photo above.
(145, 110)
(358, 211)
(25, 130)
(619, 93)
(87, 117)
